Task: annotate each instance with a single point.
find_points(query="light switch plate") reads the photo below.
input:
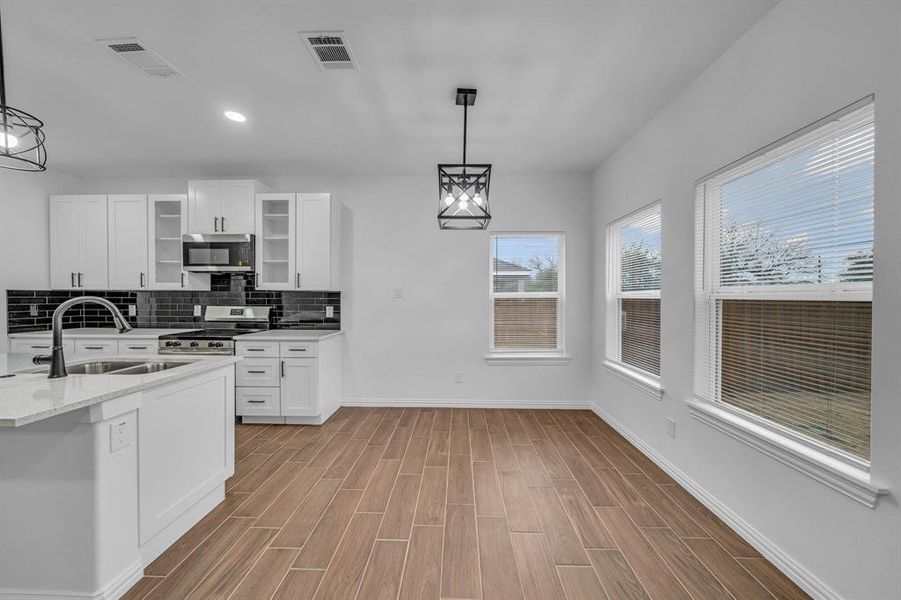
(398, 293)
(458, 377)
(671, 427)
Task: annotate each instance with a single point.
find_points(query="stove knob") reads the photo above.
(169, 344)
(194, 344)
(215, 344)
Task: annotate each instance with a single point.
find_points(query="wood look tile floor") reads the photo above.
(423, 504)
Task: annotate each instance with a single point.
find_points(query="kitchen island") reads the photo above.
(99, 473)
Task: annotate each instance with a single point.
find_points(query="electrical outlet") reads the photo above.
(33, 310)
(118, 436)
(329, 312)
(197, 310)
(671, 427)
(458, 377)
(132, 310)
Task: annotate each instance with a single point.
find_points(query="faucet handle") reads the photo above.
(42, 359)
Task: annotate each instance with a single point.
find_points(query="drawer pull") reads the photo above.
(255, 349)
(256, 401)
(137, 347)
(94, 348)
(40, 347)
(297, 349)
(257, 372)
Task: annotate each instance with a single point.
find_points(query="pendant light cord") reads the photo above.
(465, 112)
(3, 92)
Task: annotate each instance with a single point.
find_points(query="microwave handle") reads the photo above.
(216, 224)
(223, 223)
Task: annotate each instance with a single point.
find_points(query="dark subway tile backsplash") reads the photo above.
(32, 310)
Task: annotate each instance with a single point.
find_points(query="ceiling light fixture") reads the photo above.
(463, 188)
(21, 134)
(234, 116)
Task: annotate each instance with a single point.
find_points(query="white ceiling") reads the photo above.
(561, 84)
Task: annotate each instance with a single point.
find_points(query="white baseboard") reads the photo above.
(114, 590)
(809, 582)
(461, 403)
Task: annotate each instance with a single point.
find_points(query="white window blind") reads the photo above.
(526, 292)
(633, 290)
(783, 283)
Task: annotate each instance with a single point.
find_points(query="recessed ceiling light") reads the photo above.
(235, 116)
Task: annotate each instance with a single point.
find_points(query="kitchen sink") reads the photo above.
(117, 367)
(101, 366)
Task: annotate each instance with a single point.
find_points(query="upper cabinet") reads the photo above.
(167, 217)
(78, 242)
(298, 242)
(222, 205)
(127, 226)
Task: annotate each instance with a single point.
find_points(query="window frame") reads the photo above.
(529, 356)
(644, 380)
(831, 466)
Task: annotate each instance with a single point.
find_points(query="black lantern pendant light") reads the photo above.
(463, 188)
(21, 136)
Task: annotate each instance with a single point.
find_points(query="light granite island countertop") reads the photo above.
(100, 473)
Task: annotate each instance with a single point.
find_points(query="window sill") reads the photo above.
(827, 468)
(642, 381)
(527, 358)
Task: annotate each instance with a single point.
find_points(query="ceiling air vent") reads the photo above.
(329, 49)
(138, 55)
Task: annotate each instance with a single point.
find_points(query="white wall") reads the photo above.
(801, 62)
(409, 349)
(25, 231)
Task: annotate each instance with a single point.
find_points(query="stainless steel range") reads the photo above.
(229, 322)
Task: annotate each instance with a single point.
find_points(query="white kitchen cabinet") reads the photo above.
(78, 242)
(167, 217)
(222, 206)
(288, 381)
(300, 387)
(276, 237)
(138, 347)
(38, 345)
(128, 247)
(298, 242)
(96, 347)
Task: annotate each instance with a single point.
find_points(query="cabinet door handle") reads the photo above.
(215, 223)
(298, 280)
(79, 279)
(223, 223)
(142, 280)
(257, 372)
(73, 279)
(283, 368)
(182, 279)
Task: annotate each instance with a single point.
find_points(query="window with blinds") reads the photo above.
(633, 291)
(526, 292)
(784, 281)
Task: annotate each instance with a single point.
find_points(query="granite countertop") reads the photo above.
(29, 397)
(291, 335)
(102, 332)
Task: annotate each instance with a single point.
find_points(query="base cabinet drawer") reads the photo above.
(138, 347)
(257, 349)
(258, 402)
(258, 372)
(100, 347)
(38, 346)
(300, 349)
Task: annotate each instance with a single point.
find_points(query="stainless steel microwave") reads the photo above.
(218, 252)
